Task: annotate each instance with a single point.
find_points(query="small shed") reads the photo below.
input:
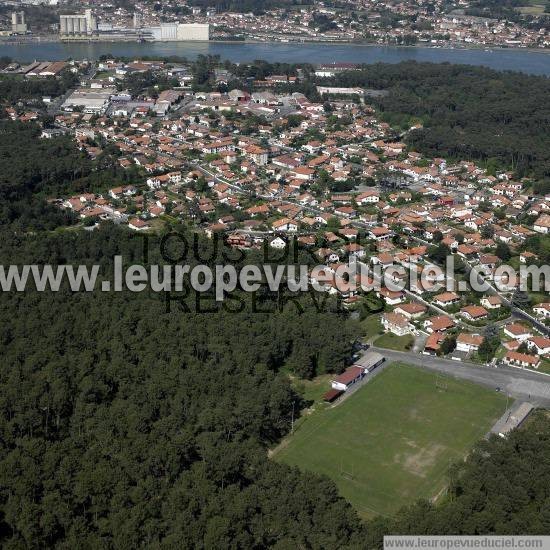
(332, 395)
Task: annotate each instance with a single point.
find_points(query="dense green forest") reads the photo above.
(45, 168)
(467, 112)
(123, 424)
(16, 88)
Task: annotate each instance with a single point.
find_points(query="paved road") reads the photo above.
(518, 383)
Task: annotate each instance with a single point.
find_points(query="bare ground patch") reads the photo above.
(422, 460)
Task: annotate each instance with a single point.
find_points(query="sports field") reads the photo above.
(392, 441)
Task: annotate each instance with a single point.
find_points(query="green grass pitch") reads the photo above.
(392, 441)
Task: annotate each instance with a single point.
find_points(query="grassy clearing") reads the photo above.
(393, 440)
(313, 390)
(397, 343)
(371, 327)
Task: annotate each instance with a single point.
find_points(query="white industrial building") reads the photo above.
(179, 32)
(90, 101)
(85, 26)
(18, 24)
(78, 25)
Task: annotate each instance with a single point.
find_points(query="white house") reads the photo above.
(439, 323)
(391, 297)
(355, 250)
(411, 311)
(380, 233)
(446, 299)
(491, 302)
(285, 224)
(542, 224)
(540, 345)
(368, 197)
(277, 243)
(474, 313)
(468, 342)
(397, 324)
(517, 359)
(517, 332)
(542, 310)
(137, 224)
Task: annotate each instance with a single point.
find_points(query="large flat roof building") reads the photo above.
(90, 101)
(78, 25)
(179, 32)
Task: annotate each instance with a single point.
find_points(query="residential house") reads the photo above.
(412, 310)
(491, 302)
(517, 332)
(517, 359)
(396, 323)
(439, 323)
(542, 224)
(391, 297)
(138, 224)
(446, 299)
(474, 313)
(540, 345)
(380, 233)
(285, 224)
(468, 343)
(258, 155)
(542, 310)
(433, 343)
(355, 250)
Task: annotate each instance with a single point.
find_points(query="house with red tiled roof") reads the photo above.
(138, 224)
(539, 345)
(412, 310)
(380, 233)
(491, 302)
(516, 331)
(517, 359)
(303, 173)
(433, 343)
(446, 299)
(285, 224)
(257, 210)
(542, 224)
(391, 297)
(439, 323)
(396, 323)
(355, 249)
(368, 197)
(474, 313)
(468, 343)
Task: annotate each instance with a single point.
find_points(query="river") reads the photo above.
(531, 62)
